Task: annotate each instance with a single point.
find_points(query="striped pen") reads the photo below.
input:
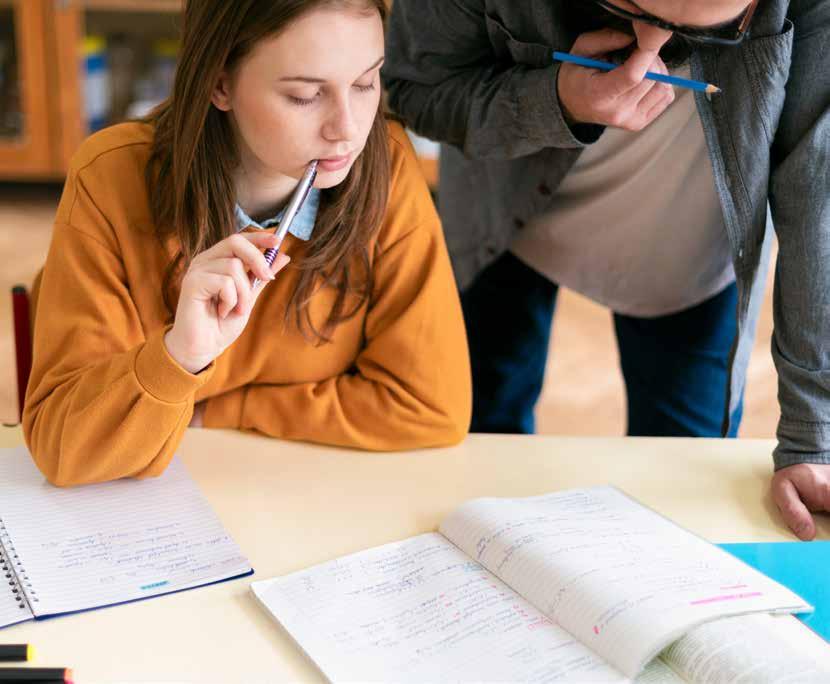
(291, 211)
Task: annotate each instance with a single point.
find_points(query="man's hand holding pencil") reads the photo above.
(622, 98)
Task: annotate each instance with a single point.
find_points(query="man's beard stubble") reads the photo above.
(582, 16)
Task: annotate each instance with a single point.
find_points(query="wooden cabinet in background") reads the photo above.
(41, 76)
(29, 142)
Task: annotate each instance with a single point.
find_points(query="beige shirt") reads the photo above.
(636, 224)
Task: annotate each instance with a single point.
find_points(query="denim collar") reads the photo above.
(302, 226)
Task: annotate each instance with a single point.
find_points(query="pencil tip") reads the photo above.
(712, 89)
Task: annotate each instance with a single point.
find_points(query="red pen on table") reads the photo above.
(42, 675)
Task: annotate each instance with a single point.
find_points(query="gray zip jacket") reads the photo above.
(477, 75)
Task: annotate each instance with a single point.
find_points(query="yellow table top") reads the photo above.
(291, 505)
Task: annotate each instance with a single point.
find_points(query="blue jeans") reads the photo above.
(675, 367)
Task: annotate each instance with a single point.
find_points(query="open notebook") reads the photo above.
(583, 585)
(66, 550)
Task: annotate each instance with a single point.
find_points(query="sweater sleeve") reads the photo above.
(410, 384)
(104, 400)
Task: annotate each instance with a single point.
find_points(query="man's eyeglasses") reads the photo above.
(732, 34)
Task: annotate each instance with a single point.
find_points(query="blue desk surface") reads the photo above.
(803, 567)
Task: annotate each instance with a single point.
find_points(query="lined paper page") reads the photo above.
(107, 543)
(658, 672)
(420, 610)
(618, 576)
(747, 648)
(10, 611)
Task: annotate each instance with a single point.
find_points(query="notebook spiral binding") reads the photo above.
(12, 571)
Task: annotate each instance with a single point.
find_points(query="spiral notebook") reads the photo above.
(64, 550)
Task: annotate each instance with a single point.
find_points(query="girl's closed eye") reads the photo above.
(304, 101)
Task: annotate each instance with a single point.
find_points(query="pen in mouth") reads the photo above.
(298, 197)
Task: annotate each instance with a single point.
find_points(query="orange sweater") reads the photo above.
(105, 400)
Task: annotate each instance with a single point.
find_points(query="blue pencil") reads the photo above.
(662, 78)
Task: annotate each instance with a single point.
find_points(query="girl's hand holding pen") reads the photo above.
(217, 297)
(622, 98)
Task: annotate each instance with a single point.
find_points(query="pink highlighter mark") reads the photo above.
(596, 629)
(726, 597)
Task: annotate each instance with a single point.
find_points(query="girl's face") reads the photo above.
(311, 92)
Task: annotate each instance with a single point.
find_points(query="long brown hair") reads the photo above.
(194, 154)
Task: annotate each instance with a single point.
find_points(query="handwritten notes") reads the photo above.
(607, 568)
(107, 543)
(424, 610)
(584, 585)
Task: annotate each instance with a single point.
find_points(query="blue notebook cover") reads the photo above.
(799, 566)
